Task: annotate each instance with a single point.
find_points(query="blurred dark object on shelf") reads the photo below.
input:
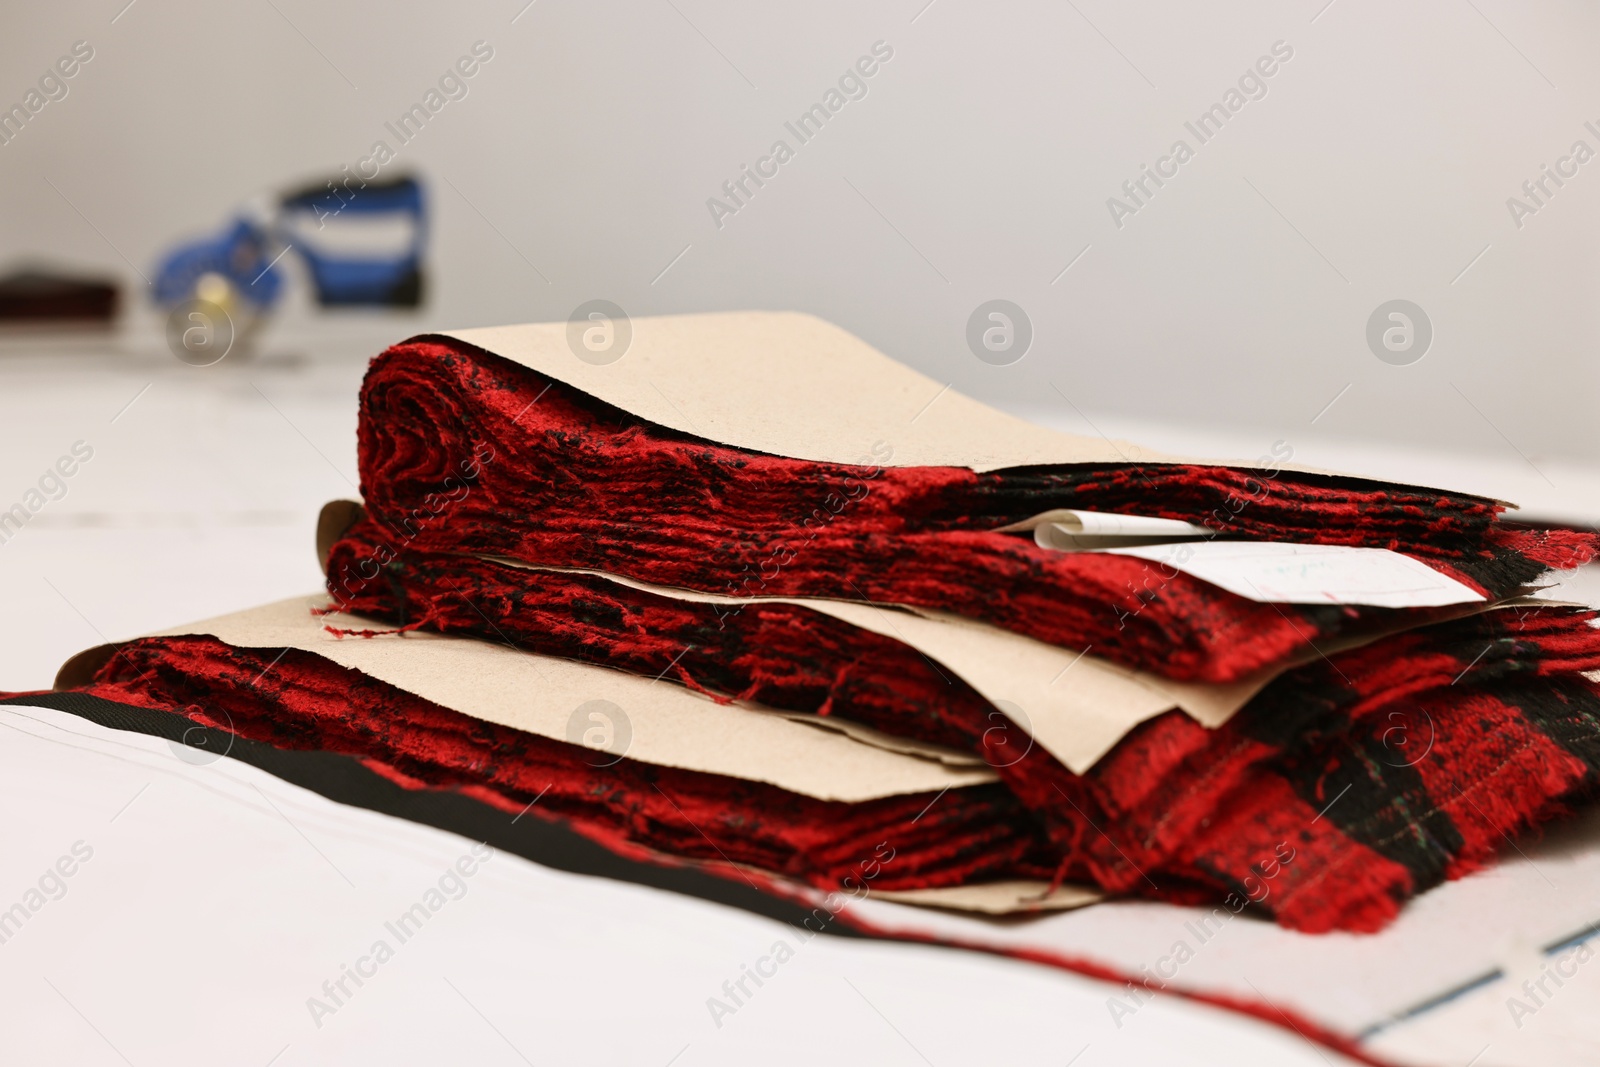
(43, 294)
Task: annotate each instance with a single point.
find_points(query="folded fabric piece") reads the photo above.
(1175, 811)
(1415, 790)
(463, 451)
(610, 711)
(294, 699)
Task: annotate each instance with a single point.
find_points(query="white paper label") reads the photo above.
(1277, 572)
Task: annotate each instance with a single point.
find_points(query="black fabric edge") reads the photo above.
(344, 780)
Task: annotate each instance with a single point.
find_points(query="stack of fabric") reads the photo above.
(755, 598)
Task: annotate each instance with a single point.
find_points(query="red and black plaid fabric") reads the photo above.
(1175, 810)
(461, 451)
(302, 701)
(1375, 789)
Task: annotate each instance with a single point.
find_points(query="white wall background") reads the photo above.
(1378, 166)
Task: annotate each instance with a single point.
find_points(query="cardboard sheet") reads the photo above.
(1077, 706)
(656, 723)
(791, 384)
(878, 739)
(1074, 704)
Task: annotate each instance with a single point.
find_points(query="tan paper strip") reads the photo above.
(1021, 896)
(1014, 898)
(1076, 706)
(660, 723)
(866, 735)
(791, 384)
(998, 898)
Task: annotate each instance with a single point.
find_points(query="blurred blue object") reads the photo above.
(367, 281)
(238, 255)
(238, 270)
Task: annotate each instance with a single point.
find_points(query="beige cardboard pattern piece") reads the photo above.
(669, 725)
(1074, 704)
(1077, 706)
(791, 384)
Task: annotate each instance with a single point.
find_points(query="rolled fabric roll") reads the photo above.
(463, 451)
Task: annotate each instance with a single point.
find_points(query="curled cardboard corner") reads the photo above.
(1071, 530)
(333, 521)
(662, 724)
(81, 668)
